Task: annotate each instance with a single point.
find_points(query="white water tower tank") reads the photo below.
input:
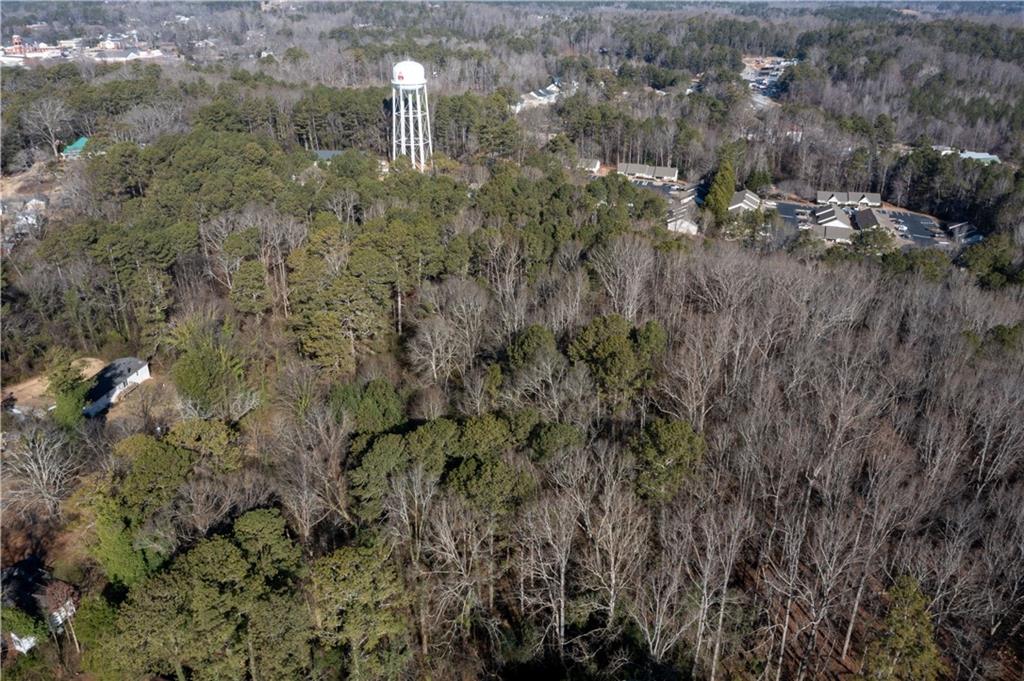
(408, 75)
(410, 114)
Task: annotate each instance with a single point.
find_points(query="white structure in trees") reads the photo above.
(113, 381)
(410, 119)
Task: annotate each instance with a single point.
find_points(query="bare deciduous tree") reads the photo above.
(39, 470)
(624, 269)
(47, 120)
(546, 534)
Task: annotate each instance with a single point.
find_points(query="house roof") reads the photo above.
(635, 169)
(113, 54)
(823, 196)
(979, 156)
(686, 194)
(113, 375)
(832, 232)
(327, 154)
(649, 171)
(744, 199)
(832, 215)
(869, 218)
(681, 219)
(849, 198)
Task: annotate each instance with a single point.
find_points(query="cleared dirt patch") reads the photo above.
(36, 180)
(31, 394)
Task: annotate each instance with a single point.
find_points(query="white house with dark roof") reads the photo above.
(112, 381)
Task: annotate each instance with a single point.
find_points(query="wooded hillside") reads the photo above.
(494, 421)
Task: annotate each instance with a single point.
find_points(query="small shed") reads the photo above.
(112, 381)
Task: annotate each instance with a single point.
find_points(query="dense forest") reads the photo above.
(494, 420)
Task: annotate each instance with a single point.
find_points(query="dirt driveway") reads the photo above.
(31, 394)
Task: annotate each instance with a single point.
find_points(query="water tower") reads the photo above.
(410, 117)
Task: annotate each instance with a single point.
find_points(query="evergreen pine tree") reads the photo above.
(722, 188)
(905, 649)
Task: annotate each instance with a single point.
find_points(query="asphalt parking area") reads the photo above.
(923, 231)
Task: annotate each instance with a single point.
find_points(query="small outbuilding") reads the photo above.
(112, 381)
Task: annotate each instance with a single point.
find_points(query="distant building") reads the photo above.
(680, 220)
(859, 199)
(686, 196)
(545, 96)
(124, 56)
(113, 381)
(645, 172)
(75, 149)
(980, 157)
(635, 170)
(832, 216)
(744, 200)
(590, 165)
(943, 149)
(839, 235)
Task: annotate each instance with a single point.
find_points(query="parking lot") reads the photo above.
(914, 230)
(790, 212)
(919, 230)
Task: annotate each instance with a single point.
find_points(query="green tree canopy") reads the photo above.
(904, 649)
(360, 604)
(666, 453)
